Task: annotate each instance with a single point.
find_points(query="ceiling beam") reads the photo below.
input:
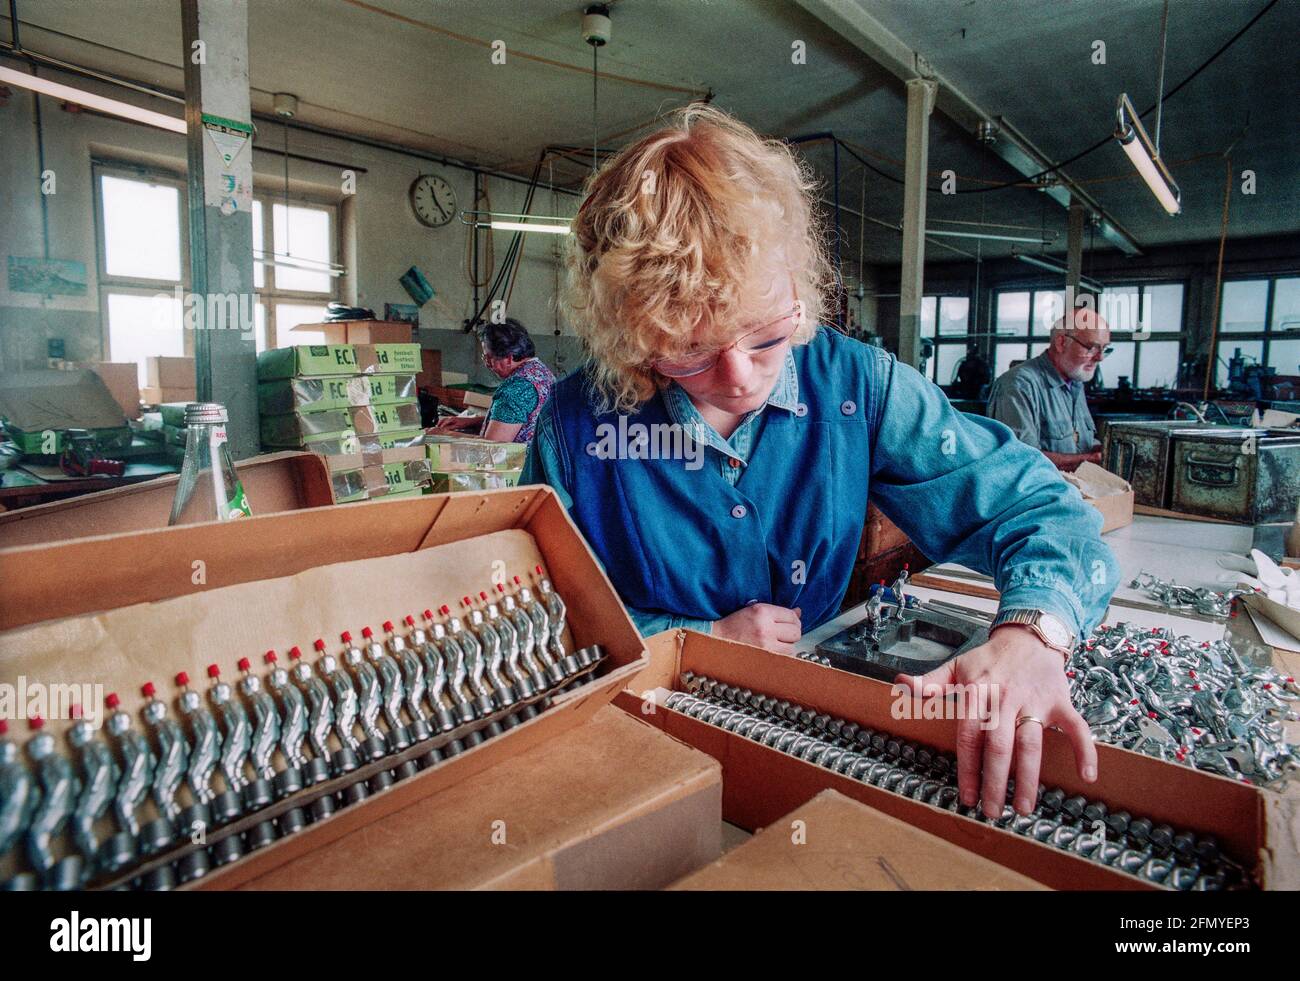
(851, 21)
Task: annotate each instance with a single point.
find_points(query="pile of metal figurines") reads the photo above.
(186, 793)
(1137, 846)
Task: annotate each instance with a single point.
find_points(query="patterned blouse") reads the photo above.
(519, 399)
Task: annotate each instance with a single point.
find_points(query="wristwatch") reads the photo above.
(1051, 631)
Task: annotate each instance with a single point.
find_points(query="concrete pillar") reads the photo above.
(1074, 255)
(220, 157)
(920, 103)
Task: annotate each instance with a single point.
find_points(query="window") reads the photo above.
(945, 320)
(142, 264)
(1263, 318)
(1146, 322)
(290, 253)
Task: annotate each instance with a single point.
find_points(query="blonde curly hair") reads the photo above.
(682, 241)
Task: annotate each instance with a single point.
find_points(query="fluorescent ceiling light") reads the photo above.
(297, 262)
(993, 236)
(113, 107)
(1051, 266)
(1142, 152)
(523, 226)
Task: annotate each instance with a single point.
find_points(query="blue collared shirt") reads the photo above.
(956, 484)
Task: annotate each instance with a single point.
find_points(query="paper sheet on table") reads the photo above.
(1272, 633)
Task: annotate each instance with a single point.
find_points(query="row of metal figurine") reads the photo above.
(1134, 845)
(384, 698)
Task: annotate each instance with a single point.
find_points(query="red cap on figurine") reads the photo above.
(214, 671)
(182, 678)
(111, 700)
(147, 689)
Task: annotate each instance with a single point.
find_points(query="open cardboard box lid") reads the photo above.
(1110, 494)
(34, 401)
(273, 482)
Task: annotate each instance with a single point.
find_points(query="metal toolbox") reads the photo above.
(1139, 453)
(1246, 475)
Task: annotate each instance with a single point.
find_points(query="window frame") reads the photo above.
(1117, 336)
(1264, 336)
(135, 285)
(938, 338)
(270, 295)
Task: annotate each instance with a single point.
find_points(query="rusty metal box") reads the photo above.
(1139, 453)
(1246, 475)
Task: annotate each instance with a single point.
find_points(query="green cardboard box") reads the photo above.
(384, 418)
(387, 389)
(314, 394)
(307, 360)
(466, 480)
(293, 429)
(453, 453)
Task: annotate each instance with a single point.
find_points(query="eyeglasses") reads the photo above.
(1105, 350)
(758, 340)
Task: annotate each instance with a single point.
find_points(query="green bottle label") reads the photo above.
(239, 503)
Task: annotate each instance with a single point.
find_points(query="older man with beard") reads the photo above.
(1041, 400)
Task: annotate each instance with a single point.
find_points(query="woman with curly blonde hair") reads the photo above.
(718, 448)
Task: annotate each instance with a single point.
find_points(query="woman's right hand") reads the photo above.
(775, 628)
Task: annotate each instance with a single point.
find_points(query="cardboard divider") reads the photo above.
(119, 610)
(1257, 827)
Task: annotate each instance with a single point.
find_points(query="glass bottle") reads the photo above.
(209, 487)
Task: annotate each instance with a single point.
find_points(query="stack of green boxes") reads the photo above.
(467, 463)
(354, 403)
(166, 427)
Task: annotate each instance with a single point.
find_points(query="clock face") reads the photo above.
(432, 200)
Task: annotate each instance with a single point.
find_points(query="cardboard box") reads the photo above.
(477, 400)
(384, 418)
(465, 480)
(430, 375)
(163, 372)
(34, 403)
(333, 392)
(179, 395)
(454, 378)
(613, 804)
(838, 843)
(274, 483)
(448, 453)
(361, 331)
(139, 612)
(309, 360)
(1256, 827)
(1109, 494)
(122, 379)
(294, 429)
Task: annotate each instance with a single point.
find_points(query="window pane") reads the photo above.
(946, 362)
(304, 235)
(1049, 307)
(1162, 307)
(1244, 302)
(1157, 364)
(140, 325)
(1120, 362)
(954, 311)
(142, 231)
(1284, 355)
(1118, 306)
(260, 326)
(927, 316)
(1036, 349)
(1013, 313)
(1252, 351)
(289, 315)
(1006, 353)
(1286, 304)
(259, 271)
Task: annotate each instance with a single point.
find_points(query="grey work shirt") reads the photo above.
(1043, 409)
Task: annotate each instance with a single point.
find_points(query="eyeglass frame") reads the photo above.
(1106, 350)
(795, 312)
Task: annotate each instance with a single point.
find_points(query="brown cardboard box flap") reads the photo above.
(274, 482)
(360, 331)
(123, 381)
(833, 842)
(1096, 482)
(611, 804)
(169, 372)
(34, 401)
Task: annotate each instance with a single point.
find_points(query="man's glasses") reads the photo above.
(1104, 350)
(763, 338)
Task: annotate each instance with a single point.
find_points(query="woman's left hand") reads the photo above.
(1014, 675)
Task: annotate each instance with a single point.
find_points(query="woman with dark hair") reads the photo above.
(510, 354)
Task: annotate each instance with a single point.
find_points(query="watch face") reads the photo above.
(433, 200)
(1055, 631)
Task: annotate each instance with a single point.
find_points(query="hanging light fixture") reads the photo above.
(1142, 151)
(113, 107)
